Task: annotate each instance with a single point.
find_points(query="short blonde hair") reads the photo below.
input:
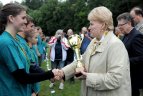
(102, 14)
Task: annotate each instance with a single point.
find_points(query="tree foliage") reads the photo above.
(33, 4)
(63, 14)
(1, 4)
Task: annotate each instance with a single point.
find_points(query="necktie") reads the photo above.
(125, 39)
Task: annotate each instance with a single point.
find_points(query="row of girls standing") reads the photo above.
(19, 72)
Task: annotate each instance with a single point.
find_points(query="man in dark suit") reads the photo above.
(133, 41)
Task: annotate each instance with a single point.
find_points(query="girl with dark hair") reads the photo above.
(15, 78)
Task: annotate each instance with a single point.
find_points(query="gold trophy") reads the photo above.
(75, 43)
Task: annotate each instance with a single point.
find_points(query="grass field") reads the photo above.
(70, 88)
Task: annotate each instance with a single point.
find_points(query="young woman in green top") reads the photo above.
(15, 78)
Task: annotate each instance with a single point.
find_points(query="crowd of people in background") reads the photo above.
(24, 48)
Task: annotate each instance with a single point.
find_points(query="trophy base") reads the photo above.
(78, 74)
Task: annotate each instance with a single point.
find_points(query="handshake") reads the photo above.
(59, 73)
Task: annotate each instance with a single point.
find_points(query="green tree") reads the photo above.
(55, 14)
(44, 16)
(1, 4)
(33, 4)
